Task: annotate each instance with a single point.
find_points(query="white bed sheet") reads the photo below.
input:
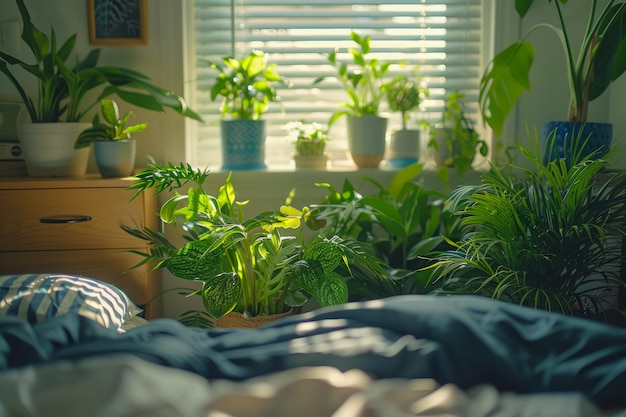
(126, 386)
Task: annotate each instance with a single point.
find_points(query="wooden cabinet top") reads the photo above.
(87, 181)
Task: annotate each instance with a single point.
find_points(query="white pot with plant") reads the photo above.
(114, 146)
(363, 81)
(599, 62)
(62, 99)
(404, 94)
(246, 87)
(310, 144)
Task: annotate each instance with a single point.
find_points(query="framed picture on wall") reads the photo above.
(118, 22)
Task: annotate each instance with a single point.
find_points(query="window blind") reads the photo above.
(442, 37)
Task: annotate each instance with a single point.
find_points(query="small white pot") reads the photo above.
(49, 149)
(404, 148)
(115, 158)
(367, 140)
(313, 162)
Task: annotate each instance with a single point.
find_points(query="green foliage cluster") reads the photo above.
(114, 126)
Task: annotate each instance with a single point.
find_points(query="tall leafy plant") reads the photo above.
(64, 81)
(362, 79)
(599, 60)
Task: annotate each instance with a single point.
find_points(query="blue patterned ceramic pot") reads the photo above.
(564, 139)
(243, 144)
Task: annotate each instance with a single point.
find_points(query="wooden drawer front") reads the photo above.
(141, 284)
(21, 212)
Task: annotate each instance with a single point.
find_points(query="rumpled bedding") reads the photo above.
(465, 341)
(123, 385)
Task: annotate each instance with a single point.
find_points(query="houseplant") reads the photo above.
(453, 139)
(541, 238)
(65, 86)
(114, 147)
(246, 265)
(597, 62)
(246, 86)
(363, 80)
(404, 94)
(310, 144)
(402, 223)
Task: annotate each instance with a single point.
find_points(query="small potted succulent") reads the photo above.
(114, 146)
(363, 81)
(250, 266)
(310, 144)
(246, 87)
(404, 94)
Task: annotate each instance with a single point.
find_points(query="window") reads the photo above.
(444, 38)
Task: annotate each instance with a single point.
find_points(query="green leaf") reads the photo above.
(220, 293)
(307, 274)
(327, 253)
(332, 291)
(195, 261)
(505, 80)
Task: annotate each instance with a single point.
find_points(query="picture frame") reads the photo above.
(118, 22)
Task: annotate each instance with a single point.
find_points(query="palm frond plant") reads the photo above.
(243, 264)
(541, 238)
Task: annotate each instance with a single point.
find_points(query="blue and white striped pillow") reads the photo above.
(37, 297)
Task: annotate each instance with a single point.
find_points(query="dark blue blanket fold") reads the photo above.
(465, 340)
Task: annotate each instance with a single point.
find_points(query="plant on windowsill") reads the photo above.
(310, 144)
(246, 265)
(548, 237)
(599, 62)
(114, 146)
(363, 81)
(404, 94)
(453, 139)
(64, 92)
(246, 86)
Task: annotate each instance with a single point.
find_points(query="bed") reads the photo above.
(413, 355)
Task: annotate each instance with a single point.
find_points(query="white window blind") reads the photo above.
(442, 37)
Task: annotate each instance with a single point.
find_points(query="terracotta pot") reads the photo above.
(235, 319)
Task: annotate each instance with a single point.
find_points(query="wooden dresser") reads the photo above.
(72, 225)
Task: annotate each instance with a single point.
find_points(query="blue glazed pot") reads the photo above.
(243, 144)
(564, 139)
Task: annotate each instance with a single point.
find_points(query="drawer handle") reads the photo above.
(66, 218)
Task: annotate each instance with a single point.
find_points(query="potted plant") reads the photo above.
(363, 81)
(64, 95)
(404, 94)
(310, 144)
(247, 265)
(541, 236)
(597, 62)
(114, 147)
(401, 224)
(246, 86)
(453, 139)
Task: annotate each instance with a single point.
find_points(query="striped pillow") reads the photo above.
(37, 297)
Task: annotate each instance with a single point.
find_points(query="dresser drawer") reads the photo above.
(32, 219)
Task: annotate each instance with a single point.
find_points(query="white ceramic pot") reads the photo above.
(313, 162)
(115, 158)
(367, 140)
(49, 149)
(404, 148)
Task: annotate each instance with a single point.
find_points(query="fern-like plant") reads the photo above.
(541, 238)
